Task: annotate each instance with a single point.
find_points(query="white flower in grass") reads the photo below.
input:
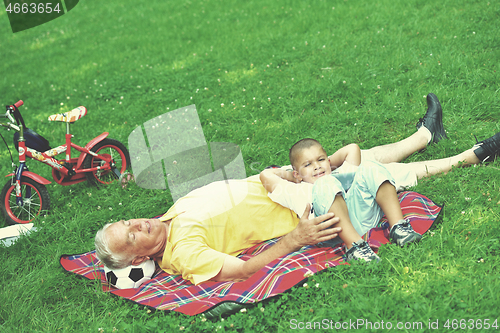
(243, 310)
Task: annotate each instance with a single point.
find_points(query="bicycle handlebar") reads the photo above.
(19, 103)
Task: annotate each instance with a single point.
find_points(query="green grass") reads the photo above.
(339, 71)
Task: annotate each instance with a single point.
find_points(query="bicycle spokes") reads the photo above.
(29, 207)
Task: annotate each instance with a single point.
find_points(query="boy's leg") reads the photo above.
(371, 195)
(387, 199)
(430, 128)
(348, 234)
(401, 231)
(328, 196)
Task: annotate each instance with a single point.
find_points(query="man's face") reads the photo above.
(312, 164)
(142, 238)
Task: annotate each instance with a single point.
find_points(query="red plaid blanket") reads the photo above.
(171, 292)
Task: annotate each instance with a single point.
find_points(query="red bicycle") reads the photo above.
(25, 196)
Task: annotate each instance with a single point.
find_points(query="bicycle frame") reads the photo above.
(66, 176)
(62, 172)
(94, 164)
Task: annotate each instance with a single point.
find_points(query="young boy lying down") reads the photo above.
(358, 193)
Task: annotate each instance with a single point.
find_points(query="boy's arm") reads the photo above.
(350, 154)
(307, 232)
(270, 178)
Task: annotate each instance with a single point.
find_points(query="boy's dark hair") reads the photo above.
(299, 146)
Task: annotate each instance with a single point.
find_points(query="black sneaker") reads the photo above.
(433, 119)
(488, 149)
(403, 233)
(361, 250)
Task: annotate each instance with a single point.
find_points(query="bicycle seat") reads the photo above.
(71, 116)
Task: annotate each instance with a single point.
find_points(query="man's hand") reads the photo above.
(307, 232)
(310, 232)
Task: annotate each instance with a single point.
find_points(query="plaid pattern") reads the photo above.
(171, 292)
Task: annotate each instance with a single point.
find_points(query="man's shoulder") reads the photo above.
(286, 188)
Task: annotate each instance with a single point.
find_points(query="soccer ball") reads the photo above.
(131, 276)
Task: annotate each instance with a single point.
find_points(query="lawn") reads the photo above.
(263, 74)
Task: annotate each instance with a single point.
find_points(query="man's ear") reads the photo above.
(139, 260)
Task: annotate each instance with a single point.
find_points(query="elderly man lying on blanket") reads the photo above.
(202, 233)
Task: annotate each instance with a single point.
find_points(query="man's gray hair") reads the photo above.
(105, 255)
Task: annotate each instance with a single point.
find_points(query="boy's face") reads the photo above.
(311, 164)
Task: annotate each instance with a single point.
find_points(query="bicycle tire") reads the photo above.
(38, 201)
(119, 154)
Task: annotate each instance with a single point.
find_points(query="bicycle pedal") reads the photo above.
(69, 167)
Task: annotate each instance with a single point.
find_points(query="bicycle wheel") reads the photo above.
(35, 200)
(120, 161)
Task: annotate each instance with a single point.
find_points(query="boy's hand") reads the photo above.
(311, 232)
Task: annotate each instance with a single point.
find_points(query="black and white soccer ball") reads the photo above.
(131, 276)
